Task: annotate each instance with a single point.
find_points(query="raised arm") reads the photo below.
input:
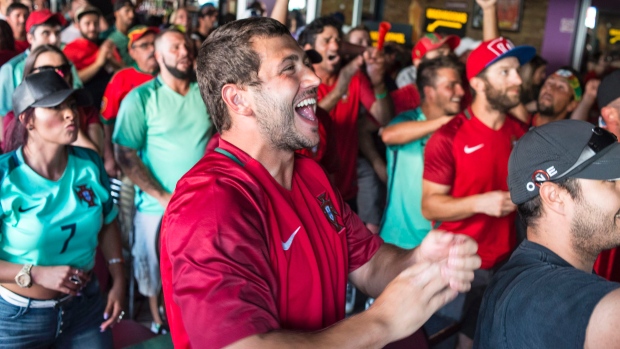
(490, 29)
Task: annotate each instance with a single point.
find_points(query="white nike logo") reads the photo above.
(286, 245)
(469, 150)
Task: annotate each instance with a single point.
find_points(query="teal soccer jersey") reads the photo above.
(51, 223)
(12, 74)
(403, 224)
(169, 131)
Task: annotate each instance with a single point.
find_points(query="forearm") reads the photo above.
(89, 72)
(330, 100)
(383, 267)
(364, 330)
(108, 148)
(135, 169)
(439, 207)
(280, 11)
(8, 271)
(95, 134)
(110, 243)
(490, 30)
(409, 131)
(383, 108)
(582, 110)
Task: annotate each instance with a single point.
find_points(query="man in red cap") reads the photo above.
(141, 48)
(431, 45)
(96, 60)
(43, 28)
(16, 15)
(466, 166)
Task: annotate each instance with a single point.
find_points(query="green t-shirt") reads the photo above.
(47, 222)
(121, 41)
(403, 223)
(169, 131)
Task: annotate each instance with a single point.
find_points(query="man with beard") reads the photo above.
(563, 177)
(161, 132)
(466, 163)
(96, 60)
(16, 15)
(123, 19)
(257, 246)
(439, 83)
(141, 47)
(559, 95)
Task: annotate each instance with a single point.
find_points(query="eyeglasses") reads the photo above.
(600, 139)
(143, 46)
(62, 70)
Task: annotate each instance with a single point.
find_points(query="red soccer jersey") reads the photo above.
(344, 116)
(405, 98)
(21, 46)
(83, 53)
(118, 87)
(472, 159)
(241, 255)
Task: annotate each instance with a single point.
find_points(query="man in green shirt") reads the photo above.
(161, 131)
(124, 15)
(439, 84)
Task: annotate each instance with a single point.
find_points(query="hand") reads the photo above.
(63, 278)
(375, 65)
(591, 89)
(455, 253)
(411, 298)
(111, 167)
(114, 308)
(346, 73)
(486, 4)
(495, 203)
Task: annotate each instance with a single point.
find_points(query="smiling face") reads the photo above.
(285, 102)
(447, 92)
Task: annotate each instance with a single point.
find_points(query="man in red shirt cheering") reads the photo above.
(257, 246)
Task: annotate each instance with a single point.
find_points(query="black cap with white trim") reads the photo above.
(558, 150)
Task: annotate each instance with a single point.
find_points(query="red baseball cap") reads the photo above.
(433, 41)
(136, 33)
(492, 51)
(42, 16)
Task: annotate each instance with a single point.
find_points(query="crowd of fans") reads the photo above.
(412, 139)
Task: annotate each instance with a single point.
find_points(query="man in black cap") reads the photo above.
(562, 176)
(608, 99)
(123, 20)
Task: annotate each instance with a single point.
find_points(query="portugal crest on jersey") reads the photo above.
(330, 211)
(86, 194)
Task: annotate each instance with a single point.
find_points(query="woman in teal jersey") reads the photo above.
(55, 209)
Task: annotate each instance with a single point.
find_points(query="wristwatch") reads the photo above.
(23, 278)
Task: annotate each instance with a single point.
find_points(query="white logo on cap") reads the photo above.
(500, 46)
(552, 171)
(530, 186)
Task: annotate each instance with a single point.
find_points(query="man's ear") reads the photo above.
(477, 84)
(29, 38)
(307, 46)
(554, 197)
(234, 97)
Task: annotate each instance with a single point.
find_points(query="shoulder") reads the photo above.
(602, 330)
(450, 129)
(516, 124)
(409, 115)
(8, 162)
(10, 65)
(85, 154)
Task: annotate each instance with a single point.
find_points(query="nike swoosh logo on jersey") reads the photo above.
(469, 150)
(286, 245)
(22, 210)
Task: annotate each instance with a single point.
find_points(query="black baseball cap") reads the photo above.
(119, 4)
(45, 89)
(559, 150)
(609, 89)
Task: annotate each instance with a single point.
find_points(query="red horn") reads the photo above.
(384, 28)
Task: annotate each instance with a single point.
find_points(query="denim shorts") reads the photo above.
(72, 324)
(145, 254)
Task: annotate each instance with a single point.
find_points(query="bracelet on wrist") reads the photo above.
(381, 95)
(116, 261)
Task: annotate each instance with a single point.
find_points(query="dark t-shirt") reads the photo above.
(538, 300)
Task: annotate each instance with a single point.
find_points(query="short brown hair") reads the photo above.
(227, 57)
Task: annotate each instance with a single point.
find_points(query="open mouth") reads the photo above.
(307, 109)
(333, 58)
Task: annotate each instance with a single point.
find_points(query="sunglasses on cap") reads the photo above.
(600, 140)
(62, 70)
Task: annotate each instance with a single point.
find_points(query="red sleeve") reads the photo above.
(405, 98)
(111, 99)
(91, 116)
(439, 164)
(220, 274)
(330, 157)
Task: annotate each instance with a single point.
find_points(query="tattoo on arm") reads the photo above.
(135, 169)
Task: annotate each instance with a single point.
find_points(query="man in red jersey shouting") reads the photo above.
(257, 246)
